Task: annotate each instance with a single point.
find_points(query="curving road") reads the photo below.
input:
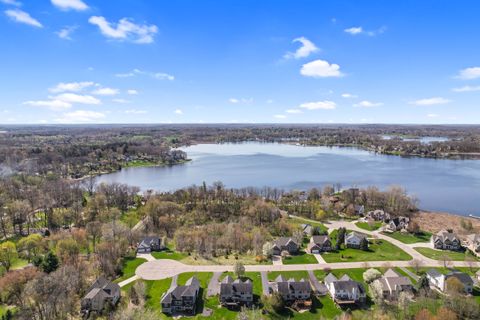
(162, 269)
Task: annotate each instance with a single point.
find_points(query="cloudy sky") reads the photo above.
(139, 61)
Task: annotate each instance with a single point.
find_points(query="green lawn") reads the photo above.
(379, 250)
(445, 270)
(300, 258)
(439, 254)
(203, 278)
(169, 254)
(409, 237)
(298, 221)
(155, 289)
(17, 263)
(129, 267)
(139, 163)
(369, 226)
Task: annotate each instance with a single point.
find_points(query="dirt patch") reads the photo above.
(436, 221)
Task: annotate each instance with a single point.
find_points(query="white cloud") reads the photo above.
(466, 89)
(125, 30)
(354, 30)
(123, 101)
(469, 73)
(77, 98)
(349, 95)
(78, 5)
(367, 104)
(20, 16)
(11, 2)
(105, 92)
(163, 76)
(325, 105)
(280, 116)
(293, 111)
(132, 92)
(178, 111)
(430, 101)
(66, 32)
(71, 86)
(432, 115)
(155, 75)
(359, 30)
(270, 101)
(135, 111)
(55, 105)
(320, 69)
(240, 100)
(307, 48)
(80, 116)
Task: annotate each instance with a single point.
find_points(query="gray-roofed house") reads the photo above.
(398, 224)
(393, 284)
(378, 215)
(100, 293)
(319, 244)
(292, 291)
(345, 290)
(307, 229)
(446, 240)
(236, 293)
(354, 239)
(439, 280)
(285, 244)
(181, 299)
(473, 243)
(149, 244)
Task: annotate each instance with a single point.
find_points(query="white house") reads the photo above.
(345, 290)
(353, 239)
(439, 280)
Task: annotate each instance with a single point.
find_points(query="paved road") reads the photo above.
(161, 269)
(129, 280)
(214, 285)
(265, 284)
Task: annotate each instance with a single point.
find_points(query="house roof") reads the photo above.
(461, 276)
(330, 278)
(445, 235)
(190, 289)
(147, 242)
(236, 286)
(355, 234)
(99, 287)
(434, 273)
(320, 239)
(391, 273)
(474, 237)
(283, 241)
(285, 287)
(227, 279)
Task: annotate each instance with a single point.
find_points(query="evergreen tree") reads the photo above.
(50, 262)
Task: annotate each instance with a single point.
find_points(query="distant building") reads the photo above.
(100, 293)
(182, 299)
(473, 243)
(398, 224)
(236, 293)
(354, 239)
(345, 291)
(319, 244)
(393, 284)
(285, 244)
(149, 244)
(439, 280)
(378, 215)
(446, 240)
(291, 290)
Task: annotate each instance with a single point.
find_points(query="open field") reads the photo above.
(436, 221)
(300, 258)
(369, 226)
(408, 237)
(129, 267)
(440, 254)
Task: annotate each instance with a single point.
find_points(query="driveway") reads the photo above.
(319, 287)
(277, 260)
(265, 285)
(146, 256)
(214, 285)
(319, 258)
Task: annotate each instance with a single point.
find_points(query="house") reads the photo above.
(101, 293)
(149, 244)
(319, 244)
(359, 210)
(307, 229)
(439, 280)
(345, 291)
(292, 290)
(473, 243)
(378, 215)
(393, 284)
(181, 299)
(354, 239)
(398, 224)
(236, 293)
(446, 240)
(285, 244)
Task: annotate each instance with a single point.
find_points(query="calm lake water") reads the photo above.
(443, 185)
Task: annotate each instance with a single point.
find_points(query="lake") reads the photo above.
(443, 185)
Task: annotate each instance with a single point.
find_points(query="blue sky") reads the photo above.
(139, 61)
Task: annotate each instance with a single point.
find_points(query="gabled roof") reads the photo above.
(285, 287)
(434, 273)
(330, 278)
(99, 287)
(283, 241)
(444, 235)
(227, 279)
(461, 276)
(355, 234)
(320, 239)
(391, 273)
(147, 242)
(190, 289)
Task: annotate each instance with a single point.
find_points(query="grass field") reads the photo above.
(155, 289)
(440, 254)
(408, 237)
(168, 254)
(379, 250)
(300, 258)
(129, 267)
(369, 226)
(298, 221)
